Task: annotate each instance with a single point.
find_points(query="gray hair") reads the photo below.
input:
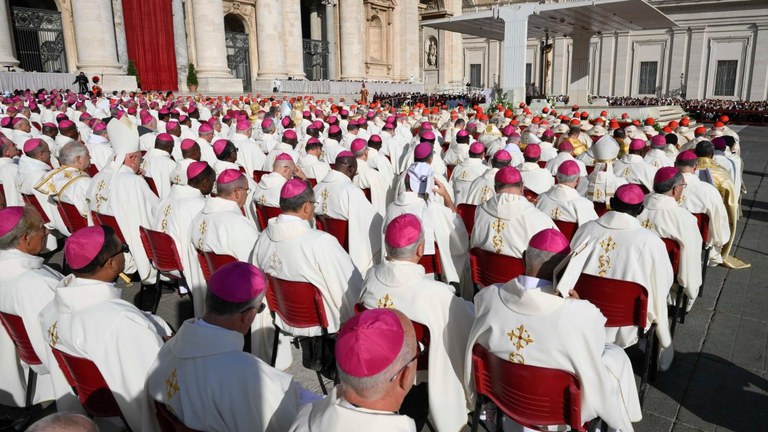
(405, 252)
(64, 422)
(227, 189)
(562, 178)
(26, 224)
(666, 186)
(71, 151)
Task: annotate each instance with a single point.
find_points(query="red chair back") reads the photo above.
(422, 336)
(2, 190)
(623, 303)
(600, 208)
(431, 263)
(168, 421)
(92, 390)
(110, 221)
(595, 138)
(265, 213)
(530, 195)
(162, 250)
(673, 249)
(71, 216)
(532, 396)
(489, 268)
(702, 221)
(567, 228)
(590, 168)
(210, 262)
(299, 304)
(336, 227)
(152, 185)
(92, 170)
(258, 174)
(542, 164)
(312, 181)
(14, 325)
(449, 170)
(31, 200)
(367, 193)
(467, 214)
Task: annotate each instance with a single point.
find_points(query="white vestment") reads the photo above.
(554, 164)
(463, 176)
(179, 173)
(535, 178)
(456, 154)
(602, 183)
(336, 414)
(393, 147)
(337, 197)
(403, 286)
(523, 322)
(702, 197)
(31, 172)
(505, 223)
(331, 148)
(664, 216)
(481, 189)
(8, 170)
(634, 170)
(222, 229)
(565, 204)
(206, 151)
(368, 178)
(203, 376)
(147, 141)
(159, 166)
(249, 154)
(277, 151)
(88, 319)
(267, 192)
(267, 142)
(100, 151)
(313, 167)
(381, 163)
(67, 184)
(657, 158)
(627, 251)
(733, 164)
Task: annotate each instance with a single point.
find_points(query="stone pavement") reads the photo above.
(718, 380)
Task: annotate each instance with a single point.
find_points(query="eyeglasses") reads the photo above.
(124, 249)
(419, 353)
(682, 185)
(260, 308)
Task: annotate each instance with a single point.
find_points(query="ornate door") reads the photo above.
(238, 55)
(316, 59)
(39, 40)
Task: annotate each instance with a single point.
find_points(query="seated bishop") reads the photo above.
(633, 168)
(525, 321)
(267, 192)
(310, 164)
(481, 189)
(536, 179)
(563, 202)
(370, 180)
(69, 183)
(400, 282)
(467, 171)
(158, 164)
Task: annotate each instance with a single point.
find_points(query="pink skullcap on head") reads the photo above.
(83, 246)
(9, 218)
(285, 121)
(266, 123)
(374, 138)
(219, 146)
(369, 342)
(187, 143)
(333, 120)
(508, 175)
(477, 147)
(293, 187)
(550, 240)
(462, 133)
(548, 133)
(237, 282)
(427, 135)
(50, 125)
(532, 151)
(99, 127)
(132, 110)
(171, 126)
(357, 145)
(6, 121)
(31, 144)
(565, 146)
(664, 174)
(345, 153)
(334, 129)
(195, 168)
(687, 156)
(228, 176)
(205, 128)
(145, 119)
(568, 168)
(243, 125)
(163, 111)
(636, 144)
(403, 231)
(64, 124)
(719, 143)
(658, 141)
(283, 156)
(164, 137)
(502, 155)
(508, 130)
(422, 150)
(427, 126)
(289, 134)
(344, 112)
(630, 194)
(313, 140)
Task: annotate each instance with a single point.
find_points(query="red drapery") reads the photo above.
(149, 34)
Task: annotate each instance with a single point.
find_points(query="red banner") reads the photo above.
(149, 34)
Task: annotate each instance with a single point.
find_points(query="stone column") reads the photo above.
(579, 84)
(607, 44)
(292, 40)
(697, 63)
(269, 24)
(330, 32)
(513, 49)
(621, 84)
(757, 89)
(122, 44)
(180, 44)
(677, 51)
(315, 23)
(6, 36)
(212, 70)
(352, 29)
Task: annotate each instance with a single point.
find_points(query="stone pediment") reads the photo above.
(433, 9)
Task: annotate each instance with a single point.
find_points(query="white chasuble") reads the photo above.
(481, 189)
(564, 203)
(8, 170)
(249, 154)
(159, 166)
(313, 167)
(702, 197)
(634, 170)
(535, 178)
(67, 184)
(369, 178)
(222, 229)
(463, 175)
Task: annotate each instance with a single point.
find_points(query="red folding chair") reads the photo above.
(73, 220)
(31, 200)
(210, 262)
(264, 213)
(567, 228)
(590, 168)
(432, 264)
(532, 396)
(681, 300)
(161, 250)
(168, 421)
(89, 384)
(542, 164)
(489, 268)
(258, 174)
(299, 305)
(601, 208)
(530, 195)
(336, 227)
(702, 221)
(14, 325)
(312, 181)
(110, 221)
(367, 193)
(92, 170)
(152, 185)
(449, 169)
(623, 303)
(467, 214)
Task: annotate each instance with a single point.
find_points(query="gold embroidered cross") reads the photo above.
(385, 302)
(485, 193)
(166, 212)
(608, 244)
(274, 264)
(520, 337)
(172, 384)
(263, 200)
(325, 194)
(647, 224)
(68, 174)
(202, 229)
(53, 335)
(463, 175)
(498, 226)
(556, 213)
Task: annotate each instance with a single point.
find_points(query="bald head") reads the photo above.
(226, 190)
(64, 422)
(285, 168)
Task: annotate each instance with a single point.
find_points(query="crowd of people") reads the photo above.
(387, 219)
(451, 101)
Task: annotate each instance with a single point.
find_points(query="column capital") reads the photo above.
(329, 3)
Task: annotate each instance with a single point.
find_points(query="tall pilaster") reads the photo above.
(292, 40)
(6, 39)
(513, 49)
(330, 31)
(210, 48)
(578, 89)
(352, 19)
(122, 43)
(269, 24)
(180, 43)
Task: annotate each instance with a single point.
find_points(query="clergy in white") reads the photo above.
(526, 322)
(202, 374)
(88, 319)
(286, 145)
(368, 178)
(482, 188)
(9, 167)
(399, 282)
(249, 155)
(69, 183)
(470, 169)
(310, 164)
(376, 354)
(536, 179)
(656, 156)
(99, 147)
(34, 165)
(633, 168)
(267, 191)
(158, 164)
(563, 202)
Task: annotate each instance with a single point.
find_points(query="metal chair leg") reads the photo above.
(476, 415)
(158, 294)
(24, 419)
(322, 383)
(275, 342)
(677, 313)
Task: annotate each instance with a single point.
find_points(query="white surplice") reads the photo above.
(702, 197)
(393, 148)
(464, 174)
(657, 158)
(174, 217)
(87, 318)
(179, 173)
(369, 178)
(267, 191)
(100, 151)
(313, 167)
(535, 178)
(159, 166)
(627, 251)
(222, 229)
(664, 216)
(337, 197)
(481, 189)
(633, 169)
(9, 168)
(67, 184)
(381, 163)
(505, 223)
(404, 286)
(249, 154)
(564, 203)
(203, 376)
(554, 163)
(336, 414)
(521, 321)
